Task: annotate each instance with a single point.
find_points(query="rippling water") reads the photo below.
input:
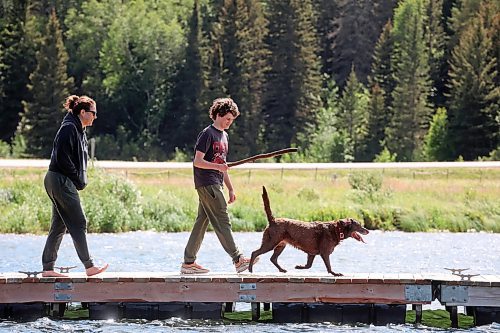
(385, 252)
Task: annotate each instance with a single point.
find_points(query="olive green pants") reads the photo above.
(67, 215)
(212, 208)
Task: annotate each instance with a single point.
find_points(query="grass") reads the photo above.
(440, 319)
(457, 200)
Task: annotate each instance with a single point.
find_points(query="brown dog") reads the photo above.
(311, 237)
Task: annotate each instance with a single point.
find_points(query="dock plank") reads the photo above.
(376, 277)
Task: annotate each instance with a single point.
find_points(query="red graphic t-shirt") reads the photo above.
(215, 145)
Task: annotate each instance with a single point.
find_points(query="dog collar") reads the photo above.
(339, 232)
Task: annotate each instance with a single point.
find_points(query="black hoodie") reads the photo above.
(70, 151)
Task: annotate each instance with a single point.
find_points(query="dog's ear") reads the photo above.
(354, 221)
(346, 222)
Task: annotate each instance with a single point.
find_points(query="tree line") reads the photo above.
(343, 80)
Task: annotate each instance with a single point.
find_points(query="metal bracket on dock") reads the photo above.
(62, 297)
(247, 298)
(418, 293)
(454, 294)
(248, 286)
(63, 286)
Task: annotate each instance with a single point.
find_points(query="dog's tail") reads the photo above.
(267, 205)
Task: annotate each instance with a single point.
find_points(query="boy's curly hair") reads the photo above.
(223, 106)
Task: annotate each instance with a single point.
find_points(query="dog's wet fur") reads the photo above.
(314, 238)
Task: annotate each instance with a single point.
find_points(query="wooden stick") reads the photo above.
(266, 155)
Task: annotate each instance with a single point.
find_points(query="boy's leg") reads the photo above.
(215, 206)
(196, 236)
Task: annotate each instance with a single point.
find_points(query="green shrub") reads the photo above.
(168, 214)
(4, 149)
(245, 218)
(378, 218)
(111, 203)
(385, 156)
(331, 214)
(24, 208)
(308, 194)
(366, 186)
(180, 156)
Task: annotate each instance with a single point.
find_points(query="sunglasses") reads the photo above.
(93, 112)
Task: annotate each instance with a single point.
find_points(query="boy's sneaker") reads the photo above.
(243, 263)
(193, 268)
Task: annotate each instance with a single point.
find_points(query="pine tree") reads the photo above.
(353, 116)
(328, 11)
(410, 108)
(4, 9)
(357, 27)
(245, 64)
(381, 71)
(474, 96)
(381, 83)
(436, 48)
(187, 109)
(14, 68)
(212, 53)
(377, 122)
(461, 13)
(294, 81)
(49, 87)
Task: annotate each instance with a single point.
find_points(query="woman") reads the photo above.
(66, 176)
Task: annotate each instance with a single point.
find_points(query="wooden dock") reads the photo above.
(309, 291)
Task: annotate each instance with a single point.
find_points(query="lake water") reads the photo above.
(385, 252)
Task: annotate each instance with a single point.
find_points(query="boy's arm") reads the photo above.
(229, 185)
(199, 162)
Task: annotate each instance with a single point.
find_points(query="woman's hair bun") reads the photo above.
(70, 102)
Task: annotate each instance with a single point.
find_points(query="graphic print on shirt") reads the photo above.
(220, 152)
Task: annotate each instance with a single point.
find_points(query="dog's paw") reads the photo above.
(300, 267)
(336, 274)
(283, 270)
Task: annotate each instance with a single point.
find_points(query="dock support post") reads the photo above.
(255, 311)
(267, 306)
(453, 310)
(57, 309)
(229, 307)
(418, 313)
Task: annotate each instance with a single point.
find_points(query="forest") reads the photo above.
(342, 80)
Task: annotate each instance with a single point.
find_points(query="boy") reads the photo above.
(210, 173)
